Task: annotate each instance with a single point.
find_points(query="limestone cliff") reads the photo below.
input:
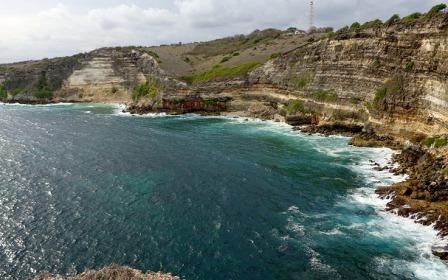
(392, 76)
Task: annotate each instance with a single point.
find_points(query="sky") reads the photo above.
(36, 29)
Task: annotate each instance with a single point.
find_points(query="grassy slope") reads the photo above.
(193, 59)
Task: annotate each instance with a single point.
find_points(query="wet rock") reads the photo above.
(440, 251)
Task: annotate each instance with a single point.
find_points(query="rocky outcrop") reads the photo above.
(113, 272)
(424, 196)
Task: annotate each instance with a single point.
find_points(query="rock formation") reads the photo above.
(113, 272)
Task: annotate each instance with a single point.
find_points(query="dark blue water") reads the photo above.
(204, 198)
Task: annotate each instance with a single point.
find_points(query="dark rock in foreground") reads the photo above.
(113, 272)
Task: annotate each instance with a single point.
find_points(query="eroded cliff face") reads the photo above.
(104, 75)
(397, 74)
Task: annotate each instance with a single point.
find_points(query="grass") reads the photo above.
(325, 95)
(435, 141)
(150, 88)
(219, 71)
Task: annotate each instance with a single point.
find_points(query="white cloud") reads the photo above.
(65, 30)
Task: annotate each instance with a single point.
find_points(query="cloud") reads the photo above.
(65, 30)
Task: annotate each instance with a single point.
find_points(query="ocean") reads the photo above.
(85, 186)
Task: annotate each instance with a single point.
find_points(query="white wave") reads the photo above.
(403, 231)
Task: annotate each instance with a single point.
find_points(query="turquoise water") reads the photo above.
(83, 186)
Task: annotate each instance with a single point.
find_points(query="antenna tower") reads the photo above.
(311, 15)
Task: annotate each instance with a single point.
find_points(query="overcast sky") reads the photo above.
(34, 29)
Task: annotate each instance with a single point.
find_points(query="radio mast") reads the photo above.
(311, 15)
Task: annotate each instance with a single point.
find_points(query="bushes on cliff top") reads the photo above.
(355, 26)
(219, 71)
(342, 30)
(372, 24)
(150, 88)
(411, 17)
(393, 19)
(436, 9)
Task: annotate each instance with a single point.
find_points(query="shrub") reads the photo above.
(342, 30)
(42, 90)
(18, 90)
(390, 87)
(153, 54)
(376, 62)
(300, 81)
(296, 106)
(324, 95)
(275, 55)
(225, 59)
(372, 24)
(114, 89)
(236, 54)
(3, 93)
(435, 141)
(355, 26)
(411, 17)
(436, 9)
(409, 66)
(445, 171)
(221, 72)
(149, 88)
(43, 93)
(393, 19)
(210, 102)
